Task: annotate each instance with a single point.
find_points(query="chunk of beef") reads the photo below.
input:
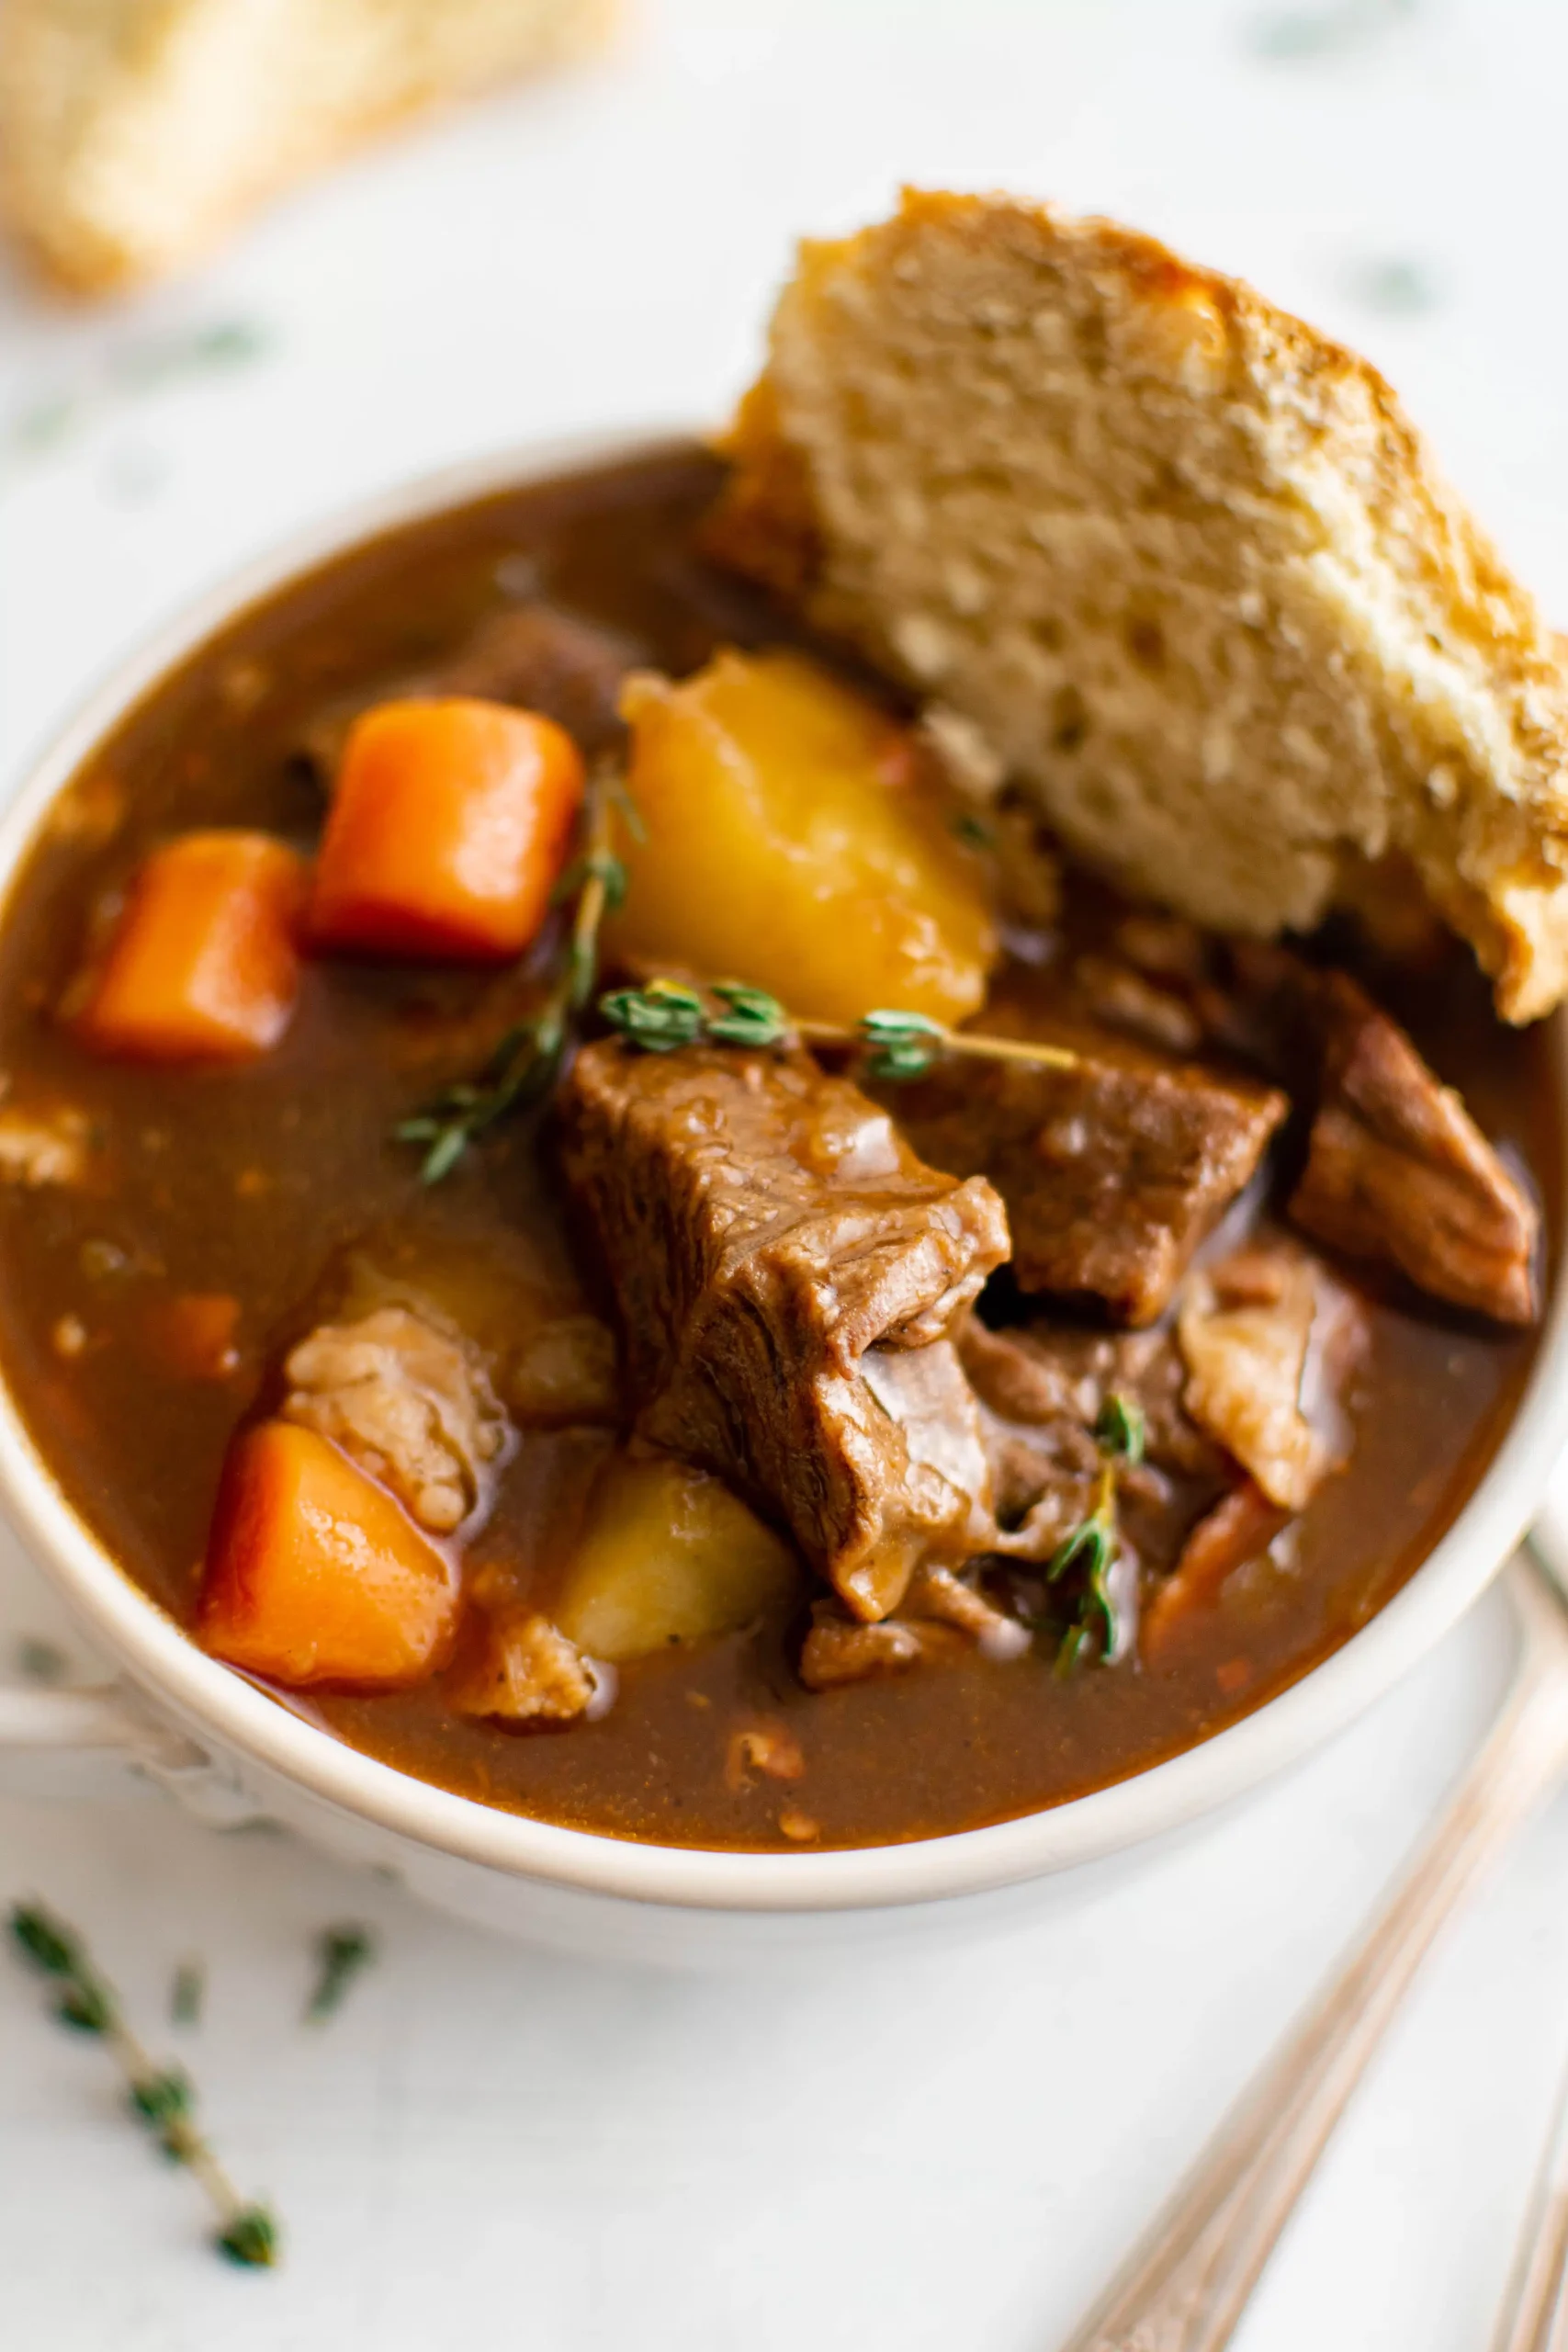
(1247, 1329)
(941, 1597)
(945, 1616)
(777, 1250)
(1041, 1389)
(1121, 996)
(1398, 1170)
(410, 1401)
(525, 1671)
(533, 656)
(545, 660)
(926, 1397)
(1113, 1173)
(840, 1648)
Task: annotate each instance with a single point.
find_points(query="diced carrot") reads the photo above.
(1241, 1525)
(449, 825)
(193, 1334)
(314, 1574)
(203, 964)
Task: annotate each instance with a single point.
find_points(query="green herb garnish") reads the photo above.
(160, 2098)
(524, 1064)
(1119, 1430)
(186, 1993)
(1092, 1550)
(901, 1044)
(659, 1018)
(972, 831)
(665, 1015)
(155, 360)
(40, 1661)
(344, 1953)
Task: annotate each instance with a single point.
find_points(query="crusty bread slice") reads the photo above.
(134, 131)
(1181, 562)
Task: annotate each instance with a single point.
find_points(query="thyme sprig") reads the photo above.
(342, 1953)
(160, 2098)
(523, 1066)
(187, 1990)
(665, 1015)
(1094, 1546)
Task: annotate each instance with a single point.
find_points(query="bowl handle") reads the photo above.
(102, 1740)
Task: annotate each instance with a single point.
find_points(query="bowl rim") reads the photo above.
(232, 1714)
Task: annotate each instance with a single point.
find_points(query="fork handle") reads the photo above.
(1186, 2285)
(1534, 2316)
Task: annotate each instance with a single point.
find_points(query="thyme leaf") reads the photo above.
(750, 1017)
(344, 1953)
(658, 1019)
(251, 2239)
(1120, 1429)
(1090, 1549)
(186, 1993)
(665, 1015)
(40, 1661)
(900, 1045)
(523, 1064)
(160, 2098)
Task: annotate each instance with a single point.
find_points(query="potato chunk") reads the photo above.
(669, 1554)
(790, 843)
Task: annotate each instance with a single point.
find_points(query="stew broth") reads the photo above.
(256, 1182)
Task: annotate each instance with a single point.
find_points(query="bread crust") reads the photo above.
(133, 133)
(1182, 559)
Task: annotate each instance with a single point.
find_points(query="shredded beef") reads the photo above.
(410, 1401)
(779, 1258)
(1246, 1362)
(945, 1616)
(1272, 1343)
(525, 1671)
(1113, 1173)
(840, 1648)
(1041, 1389)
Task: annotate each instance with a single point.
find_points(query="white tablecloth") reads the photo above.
(487, 2145)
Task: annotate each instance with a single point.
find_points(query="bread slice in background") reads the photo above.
(1182, 564)
(132, 132)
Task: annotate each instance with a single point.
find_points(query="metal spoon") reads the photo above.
(1187, 2283)
(1534, 2316)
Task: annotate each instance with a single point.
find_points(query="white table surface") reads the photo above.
(486, 2144)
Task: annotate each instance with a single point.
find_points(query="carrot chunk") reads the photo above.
(202, 964)
(449, 826)
(314, 1574)
(1241, 1525)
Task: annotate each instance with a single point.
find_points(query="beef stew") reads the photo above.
(702, 1412)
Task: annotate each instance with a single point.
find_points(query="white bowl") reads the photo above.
(233, 1751)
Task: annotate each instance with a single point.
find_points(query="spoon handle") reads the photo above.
(1534, 2316)
(1187, 2283)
